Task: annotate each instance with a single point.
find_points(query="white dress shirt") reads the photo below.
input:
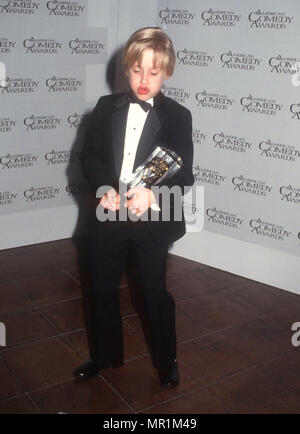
(135, 123)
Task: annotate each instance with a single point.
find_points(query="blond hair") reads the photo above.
(153, 38)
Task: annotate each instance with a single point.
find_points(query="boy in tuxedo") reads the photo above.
(123, 131)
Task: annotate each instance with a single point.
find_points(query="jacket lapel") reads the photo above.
(119, 119)
(155, 120)
(151, 128)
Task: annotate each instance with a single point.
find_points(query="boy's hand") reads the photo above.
(111, 200)
(142, 199)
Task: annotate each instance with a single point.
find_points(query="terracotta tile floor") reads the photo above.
(234, 341)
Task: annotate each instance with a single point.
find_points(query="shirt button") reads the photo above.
(128, 153)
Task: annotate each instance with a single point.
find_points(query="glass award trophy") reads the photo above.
(161, 164)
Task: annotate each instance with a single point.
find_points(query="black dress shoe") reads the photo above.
(169, 377)
(91, 369)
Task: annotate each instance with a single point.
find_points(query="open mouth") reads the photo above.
(143, 90)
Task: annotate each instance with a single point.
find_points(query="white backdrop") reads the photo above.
(57, 54)
(235, 63)
(234, 67)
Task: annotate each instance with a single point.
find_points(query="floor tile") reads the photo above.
(56, 246)
(135, 323)
(215, 311)
(126, 304)
(26, 327)
(65, 253)
(258, 340)
(27, 266)
(286, 370)
(254, 391)
(50, 288)
(134, 344)
(79, 341)
(66, 316)
(42, 363)
(219, 278)
(9, 386)
(18, 405)
(189, 285)
(18, 252)
(137, 381)
(284, 318)
(187, 327)
(77, 397)
(235, 352)
(209, 359)
(197, 402)
(12, 299)
(263, 299)
(178, 264)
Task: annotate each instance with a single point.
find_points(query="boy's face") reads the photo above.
(146, 81)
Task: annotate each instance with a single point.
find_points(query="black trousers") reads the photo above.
(111, 242)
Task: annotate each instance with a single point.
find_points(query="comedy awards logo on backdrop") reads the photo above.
(61, 157)
(41, 46)
(210, 100)
(269, 20)
(269, 230)
(19, 86)
(176, 93)
(17, 161)
(260, 106)
(278, 151)
(81, 47)
(78, 189)
(197, 58)
(283, 64)
(251, 186)
(223, 218)
(290, 193)
(66, 8)
(63, 84)
(231, 143)
(7, 125)
(295, 110)
(7, 46)
(33, 123)
(208, 176)
(198, 136)
(240, 61)
(36, 194)
(169, 16)
(21, 7)
(7, 198)
(219, 18)
(76, 120)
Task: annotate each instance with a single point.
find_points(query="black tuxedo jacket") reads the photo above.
(168, 124)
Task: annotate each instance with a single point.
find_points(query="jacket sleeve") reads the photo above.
(91, 157)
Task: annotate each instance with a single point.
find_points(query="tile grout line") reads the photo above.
(110, 385)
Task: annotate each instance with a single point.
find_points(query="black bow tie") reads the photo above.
(131, 98)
